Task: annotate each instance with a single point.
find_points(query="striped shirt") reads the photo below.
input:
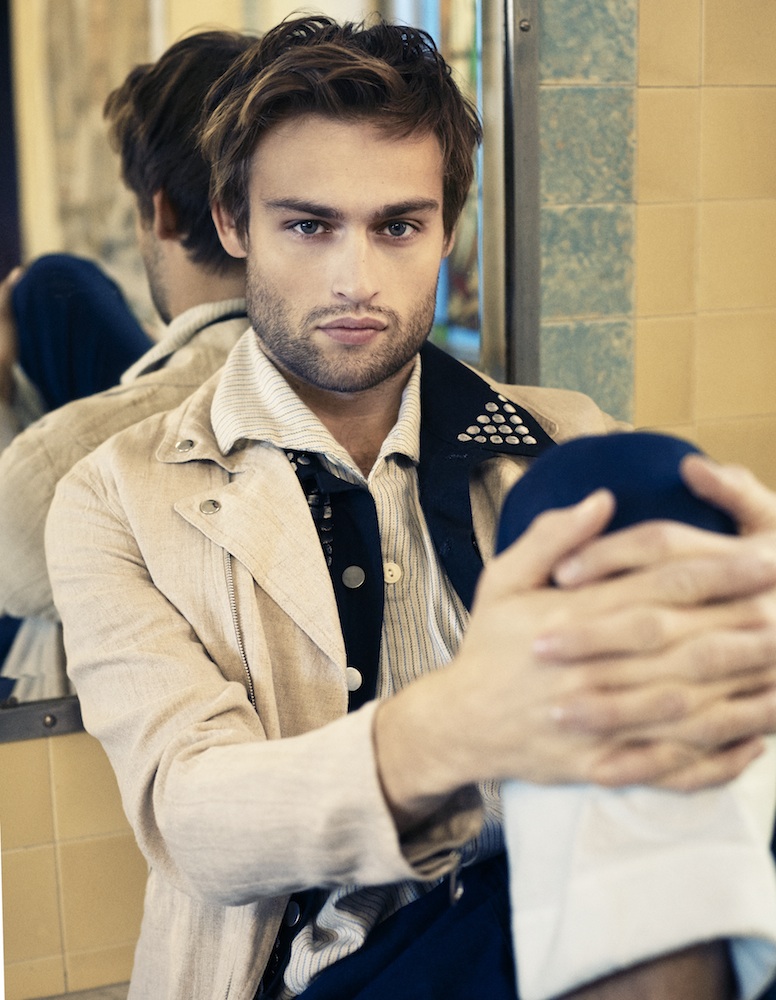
(424, 619)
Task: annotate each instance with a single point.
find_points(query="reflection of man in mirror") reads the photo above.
(67, 333)
(268, 601)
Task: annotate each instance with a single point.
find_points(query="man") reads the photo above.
(197, 288)
(267, 600)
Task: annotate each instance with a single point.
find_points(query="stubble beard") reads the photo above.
(348, 369)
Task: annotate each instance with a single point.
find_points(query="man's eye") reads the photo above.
(398, 229)
(309, 227)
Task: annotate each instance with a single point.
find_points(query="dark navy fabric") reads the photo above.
(640, 468)
(454, 400)
(434, 950)
(76, 333)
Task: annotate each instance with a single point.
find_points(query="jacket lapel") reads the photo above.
(261, 518)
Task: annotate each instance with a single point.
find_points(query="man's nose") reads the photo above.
(356, 270)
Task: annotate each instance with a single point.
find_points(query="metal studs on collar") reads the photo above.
(499, 424)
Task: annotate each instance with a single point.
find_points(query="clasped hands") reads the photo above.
(647, 656)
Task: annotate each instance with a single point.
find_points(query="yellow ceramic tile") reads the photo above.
(90, 969)
(737, 263)
(665, 259)
(86, 796)
(746, 441)
(735, 361)
(738, 41)
(25, 798)
(41, 977)
(669, 43)
(663, 371)
(30, 911)
(668, 144)
(738, 142)
(103, 881)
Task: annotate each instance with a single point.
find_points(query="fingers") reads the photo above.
(673, 766)
(553, 535)
(733, 488)
(732, 636)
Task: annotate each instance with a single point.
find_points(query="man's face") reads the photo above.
(344, 246)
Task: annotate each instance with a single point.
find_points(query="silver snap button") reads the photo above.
(353, 577)
(185, 445)
(392, 572)
(210, 506)
(293, 914)
(353, 679)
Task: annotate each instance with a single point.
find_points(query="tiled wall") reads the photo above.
(706, 225)
(73, 878)
(587, 130)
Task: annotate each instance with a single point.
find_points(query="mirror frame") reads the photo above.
(32, 719)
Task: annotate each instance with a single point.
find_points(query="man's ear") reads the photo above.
(231, 240)
(449, 243)
(165, 221)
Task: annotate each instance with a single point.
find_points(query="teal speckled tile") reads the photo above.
(589, 40)
(587, 268)
(587, 140)
(594, 357)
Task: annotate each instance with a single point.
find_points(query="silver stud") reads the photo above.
(509, 408)
(480, 439)
(185, 445)
(497, 439)
(464, 437)
(511, 439)
(490, 429)
(210, 506)
(521, 429)
(353, 678)
(353, 577)
(483, 419)
(491, 407)
(498, 418)
(472, 429)
(529, 440)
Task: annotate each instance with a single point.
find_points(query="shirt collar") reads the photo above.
(180, 331)
(253, 402)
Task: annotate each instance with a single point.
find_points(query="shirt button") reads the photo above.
(353, 679)
(210, 506)
(353, 577)
(392, 572)
(185, 445)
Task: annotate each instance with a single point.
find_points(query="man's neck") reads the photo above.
(197, 286)
(359, 421)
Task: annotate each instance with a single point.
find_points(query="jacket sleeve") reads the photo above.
(27, 483)
(223, 812)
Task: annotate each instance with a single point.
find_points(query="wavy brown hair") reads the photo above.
(154, 127)
(390, 75)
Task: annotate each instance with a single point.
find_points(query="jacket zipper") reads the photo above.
(237, 629)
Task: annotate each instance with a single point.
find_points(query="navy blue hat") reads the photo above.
(640, 468)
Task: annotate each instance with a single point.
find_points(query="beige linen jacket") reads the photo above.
(194, 346)
(201, 627)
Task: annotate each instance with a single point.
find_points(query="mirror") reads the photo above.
(67, 56)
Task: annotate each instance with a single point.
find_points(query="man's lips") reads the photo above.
(352, 330)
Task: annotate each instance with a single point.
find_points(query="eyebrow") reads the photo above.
(409, 207)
